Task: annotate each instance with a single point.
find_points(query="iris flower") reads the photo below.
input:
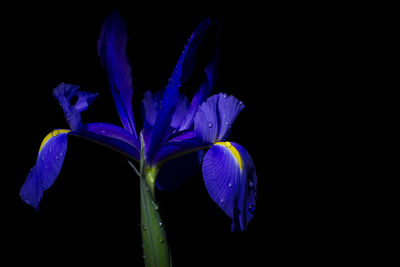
(175, 132)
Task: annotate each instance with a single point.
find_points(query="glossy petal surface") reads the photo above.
(230, 179)
(47, 167)
(181, 73)
(111, 48)
(215, 117)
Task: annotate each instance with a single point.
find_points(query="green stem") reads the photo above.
(155, 246)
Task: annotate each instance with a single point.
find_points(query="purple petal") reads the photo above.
(230, 179)
(111, 48)
(48, 165)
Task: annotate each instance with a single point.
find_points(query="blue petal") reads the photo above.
(230, 179)
(205, 88)
(215, 117)
(181, 73)
(111, 136)
(206, 122)
(111, 48)
(48, 165)
(64, 93)
(182, 143)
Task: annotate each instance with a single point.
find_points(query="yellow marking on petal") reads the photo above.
(234, 152)
(50, 135)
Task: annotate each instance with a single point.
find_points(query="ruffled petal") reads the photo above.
(64, 94)
(230, 179)
(48, 165)
(206, 123)
(111, 48)
(215, 117)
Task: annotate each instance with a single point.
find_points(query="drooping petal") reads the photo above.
(48, 165)
(64, 94)
(181, 73)
(175, 172)
(215, 117)
(230, 179)
(111, 48)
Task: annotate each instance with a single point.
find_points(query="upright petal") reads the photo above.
(230, 179)
(181, 73)
(215, 117)
(111, 48)
(208, 85)
(64, 93)
(48, 165)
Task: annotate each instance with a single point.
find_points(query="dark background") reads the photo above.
(270, 59)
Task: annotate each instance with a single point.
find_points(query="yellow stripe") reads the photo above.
(50, 135)
(234, 152)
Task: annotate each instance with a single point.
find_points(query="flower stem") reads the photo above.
(155, 246)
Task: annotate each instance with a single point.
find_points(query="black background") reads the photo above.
(270, 59)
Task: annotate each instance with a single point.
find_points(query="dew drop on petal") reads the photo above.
(210, 125)
(222, 201)
(230, 185)
(57, 157)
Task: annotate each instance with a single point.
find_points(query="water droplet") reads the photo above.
(61, 154)
(230, 185)
(210, 125)
(57, 157)
(227, 123)
(225, 95)
(240, 103)
(222, 201)
(160, 223)
(144, 227)
(160, 239)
